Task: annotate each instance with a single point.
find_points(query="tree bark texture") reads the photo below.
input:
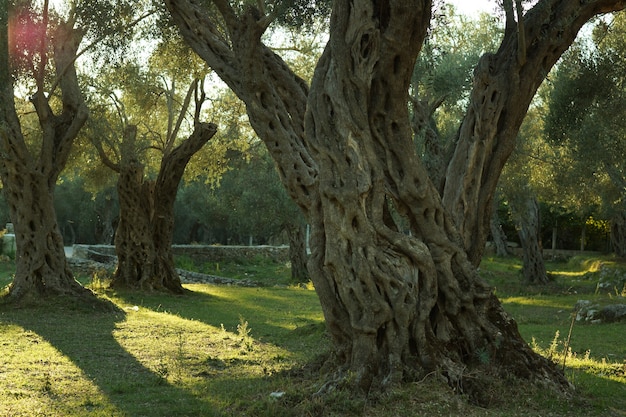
(29, 179)
(396, 305)
(529, 228)
(143, 240)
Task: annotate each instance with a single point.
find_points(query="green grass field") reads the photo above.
(231, 351)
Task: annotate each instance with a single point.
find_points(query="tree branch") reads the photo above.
(173, 133)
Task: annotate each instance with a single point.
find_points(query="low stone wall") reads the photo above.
(201, 253)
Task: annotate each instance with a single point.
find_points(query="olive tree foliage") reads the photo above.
(397, 305)
(587, 119)
(39, 46)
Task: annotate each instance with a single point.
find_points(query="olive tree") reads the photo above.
(396, 304)
(154, 122)
(29, 168)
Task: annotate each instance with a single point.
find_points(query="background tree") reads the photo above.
(145, 230)
(31, 165)
(395, 304)
(522, 184)
(249, 206)
(588, 83)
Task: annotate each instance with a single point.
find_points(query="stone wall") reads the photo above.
(202, 253)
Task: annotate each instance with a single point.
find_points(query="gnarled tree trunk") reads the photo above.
(396, 305)
(29, 179)
(40, 265)
(143, 240)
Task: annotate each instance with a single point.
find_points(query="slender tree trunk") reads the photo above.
(29, 179)
(499, 237)
(106, 222)
(143, 241)
(297, 253)
(618, 234)
(534, 268)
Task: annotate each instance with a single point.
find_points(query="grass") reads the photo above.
(259, 269)
(232, 351)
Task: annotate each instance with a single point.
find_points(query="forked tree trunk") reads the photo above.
(529, 227)
(143, 240)
(29, 179)
(395, 305)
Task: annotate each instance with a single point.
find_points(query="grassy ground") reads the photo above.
(259, 269)
(230, 351)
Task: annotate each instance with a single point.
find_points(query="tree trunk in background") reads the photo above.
(396, 306)
(618, 234)
(297, 253)
(107, 221)
(583, 236)
(29, 179)
(529, 227)
(499, 237)
(143, 241)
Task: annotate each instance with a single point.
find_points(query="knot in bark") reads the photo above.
(363, 39)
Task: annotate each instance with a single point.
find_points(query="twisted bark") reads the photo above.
(29, 179)
(395, 305)
(143, 240)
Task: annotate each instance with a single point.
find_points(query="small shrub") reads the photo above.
(243, 333)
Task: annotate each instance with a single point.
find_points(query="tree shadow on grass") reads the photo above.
(86, 336)
(271, 313)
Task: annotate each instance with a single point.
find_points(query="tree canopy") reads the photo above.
(586, 119)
